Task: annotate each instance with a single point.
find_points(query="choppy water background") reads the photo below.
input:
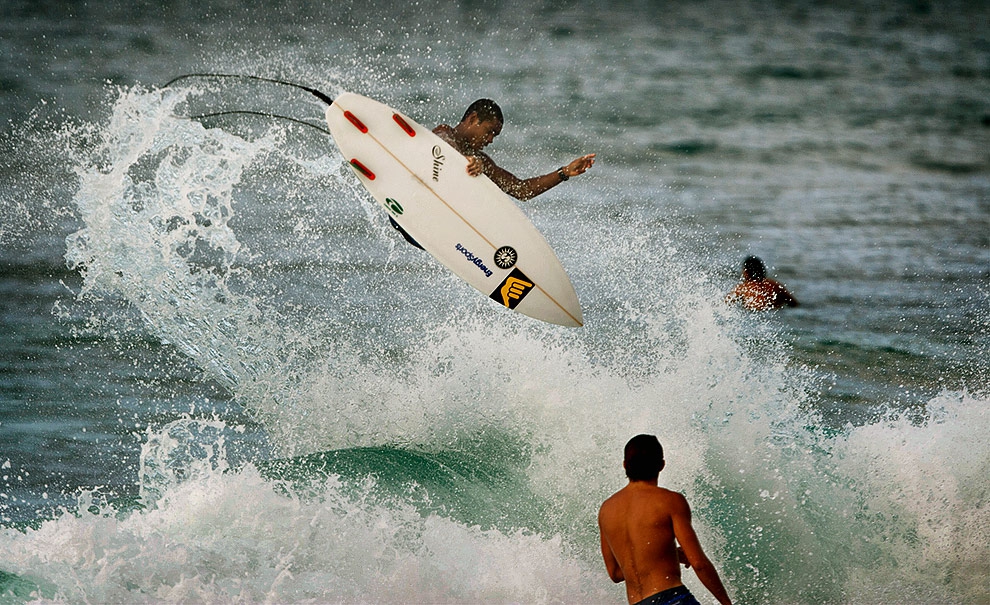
(224, 378)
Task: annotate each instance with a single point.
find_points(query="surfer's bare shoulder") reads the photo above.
(445, 132)
(478, 162)
(449, 135)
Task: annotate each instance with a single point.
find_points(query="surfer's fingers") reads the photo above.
(582, 163)
(474, 166)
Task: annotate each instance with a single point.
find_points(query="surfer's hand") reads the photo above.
(474, 166)
(579, 165)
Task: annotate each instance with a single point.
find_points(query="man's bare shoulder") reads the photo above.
(668, 498)
(635, 492)
(445, 132)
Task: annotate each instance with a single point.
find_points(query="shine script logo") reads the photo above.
(438, 159)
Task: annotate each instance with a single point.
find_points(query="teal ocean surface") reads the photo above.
(225, 378)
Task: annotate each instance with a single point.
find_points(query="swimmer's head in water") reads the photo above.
(754, 268)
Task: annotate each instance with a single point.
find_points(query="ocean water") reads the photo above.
(225, 378)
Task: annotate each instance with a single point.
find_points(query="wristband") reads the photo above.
(563, 175)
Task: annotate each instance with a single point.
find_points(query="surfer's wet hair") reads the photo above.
(754, 268)
(643, 458)
(486, 109)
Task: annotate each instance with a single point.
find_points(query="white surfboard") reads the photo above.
(465, 222)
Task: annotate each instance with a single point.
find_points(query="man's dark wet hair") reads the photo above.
(754, 268)
(486, 109)
(644, 458)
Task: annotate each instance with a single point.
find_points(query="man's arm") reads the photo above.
(611, 564)
(684, 532)
(525, 189)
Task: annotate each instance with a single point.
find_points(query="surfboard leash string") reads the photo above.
(316, 93)
(319, 95)
(257, 113)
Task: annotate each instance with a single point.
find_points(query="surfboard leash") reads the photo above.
(316, 93)
(257, 113)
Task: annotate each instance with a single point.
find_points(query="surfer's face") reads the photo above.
(483, 133)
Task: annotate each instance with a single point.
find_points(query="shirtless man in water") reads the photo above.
(641, 526)
(757, 292)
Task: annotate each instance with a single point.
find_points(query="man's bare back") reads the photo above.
(761, 295)
(641, 509)
(641, 526)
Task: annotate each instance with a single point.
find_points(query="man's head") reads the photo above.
(643, 458)
(482, 122)
(486, 110)
(753, 268)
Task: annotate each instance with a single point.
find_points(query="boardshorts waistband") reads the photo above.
(678, 595)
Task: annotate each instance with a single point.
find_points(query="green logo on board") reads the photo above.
(393, 205)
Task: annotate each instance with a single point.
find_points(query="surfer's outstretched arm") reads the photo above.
(525, 189)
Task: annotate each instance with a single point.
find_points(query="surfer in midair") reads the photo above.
(482, 122)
